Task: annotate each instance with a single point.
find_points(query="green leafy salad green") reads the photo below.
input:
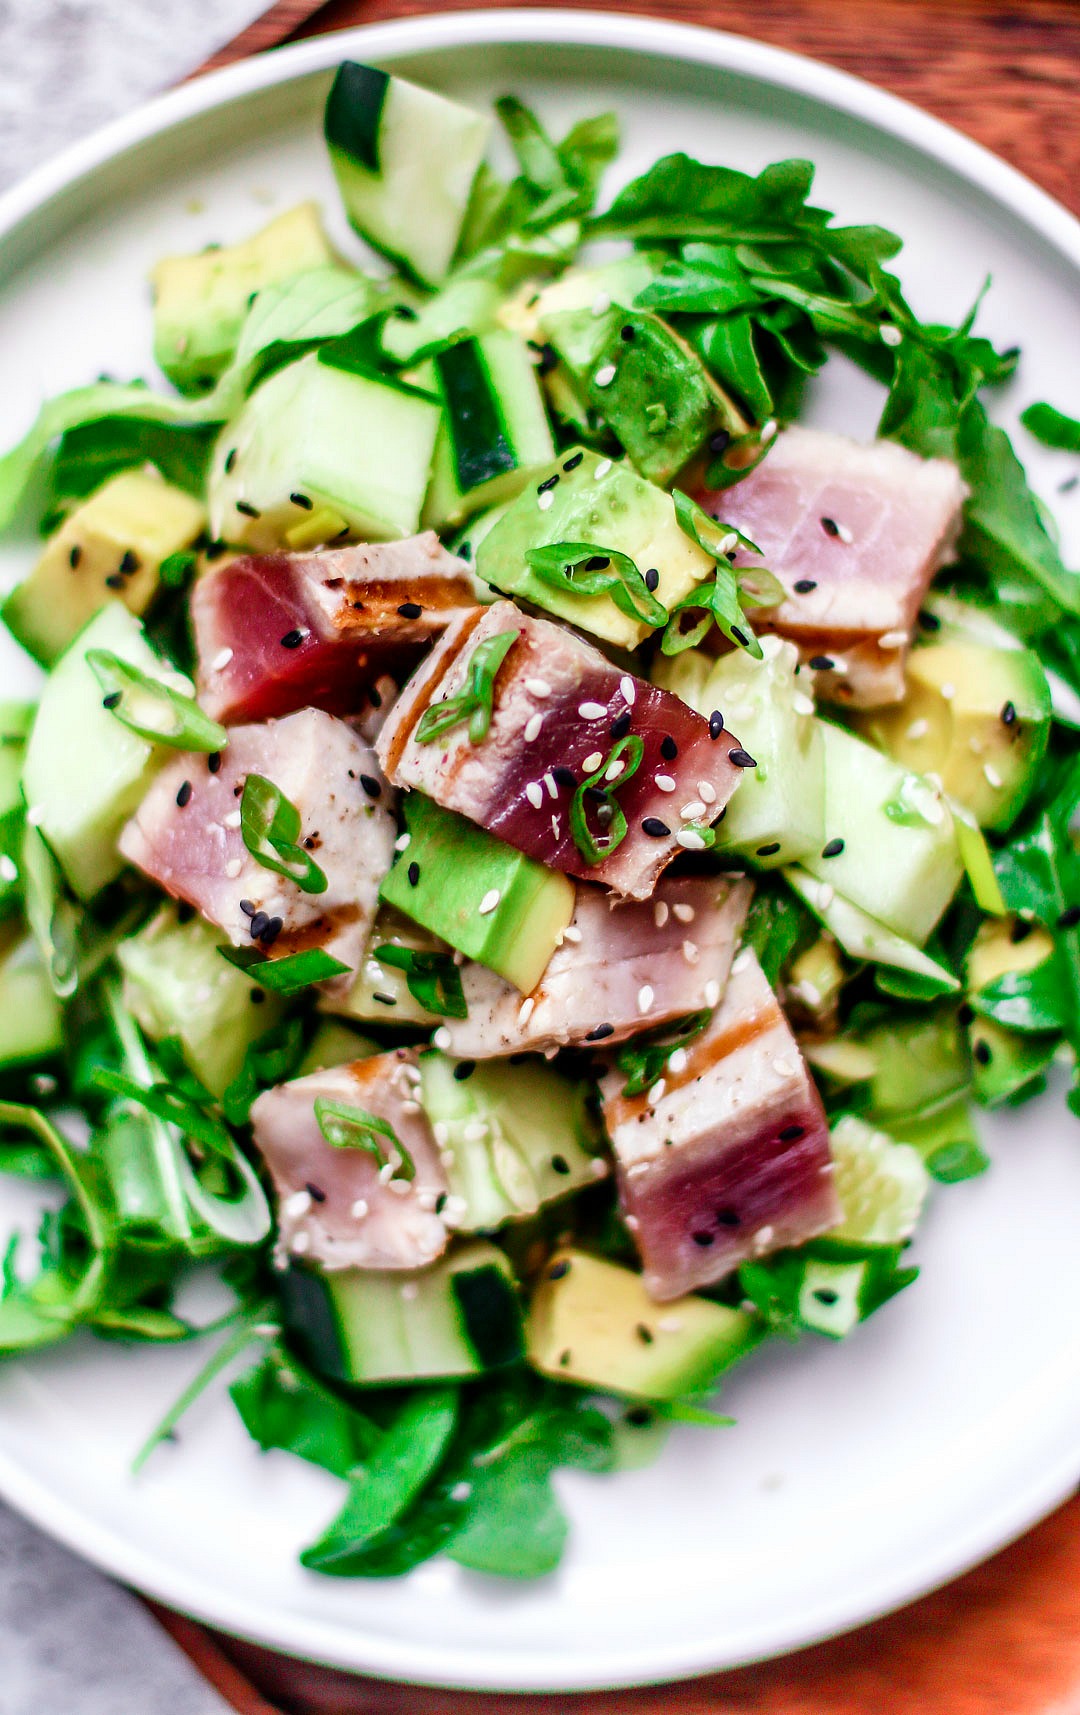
(529, 855)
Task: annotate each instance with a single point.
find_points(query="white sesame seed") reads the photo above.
(802, 704)
(359, 1209)
(890, 334)
(664, 782)
(685, 913)
(551, 784)
(706, 792)
(660, 913)
(892, 639)
(35, 815)
(232, 820)
(232, 868)
(387, 1171)
(729, 543)
(601, 304)
(534, 792)
(601, 470)
(598, 1167)
(221, 660)
(712, 992)
(570, 933)
(605, 375)
(763, 1238)
(826, 893)
(593, 761)
(948, 691)
(410, 1107)
(738, 965)
(677, 1061)
(669, 1324)
(556, 826)
(441, 1038)
(645, 998)
(461, 1491)
(525, 1010)
(489, 901)
(538, 688)
(768, 431)
(297, 1205)
(690, 840)
(690, 952)
(475, 1131)
(628, 689)
(693, 811)
(993, 778)
(440, 1131)
(784, 1069)
(402, 842)
(9, 870)
(918, 729)
(532, 728)
(656, 1094)
(300, 1243)
(592, 711)
(400, 1187)
(546, 500)
(631, 1222)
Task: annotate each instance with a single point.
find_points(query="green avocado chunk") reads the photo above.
(592, 1322)
(1005, 1061)
(489, 901)
(976, 716)
(31, 1020)
(16, 720)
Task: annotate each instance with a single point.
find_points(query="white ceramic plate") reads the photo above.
(858, 1476)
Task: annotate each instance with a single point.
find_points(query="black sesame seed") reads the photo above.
(184, 795)
(248, 907)
(638, 1417)
(716, 724)
(825, 1295)
(655, 828)
(1068, 485)
(464, 1069)
(440, 1202)
(413, 873)
(702, 1239)
(112, 701)
(929, 621)
(1069, 918)
(271, 932)
(669, 750)
(1008, 714)
(213, 761)
(627, 331)
(805, 585)
(114, 581)
(247, 509)
(257, 997)
(559, 1164)
(792, 1133)
(184, 912)
(75, 556)
(559, 1270)
(600, 1032)
(130, 564)
(572, 463)
(965, 1014)
(739, 636)
(645, 1335)
(719, 441)
(258, 924)
(770, 850)
(830, 526)
(564, 776)
(292, 640)
(383, 999)
(822, 663)
(727, 1218)
(1020, 931)
(230, 460)
(832, 848)
(410, 610)
(652, 578)
(620, 726)
(315, 1192)
(549, 360)
(564, 1359)
(741, 759)
(371, 786)
(981, 1051)
(302, 500)
(548, 482)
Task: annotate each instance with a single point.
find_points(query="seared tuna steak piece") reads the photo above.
(855, 533)
(624, 966)
(186, 835)
(367, 1200)
(588, 770)
(727, 1156)
(279, 632)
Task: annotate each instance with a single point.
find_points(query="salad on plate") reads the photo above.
(528, 851)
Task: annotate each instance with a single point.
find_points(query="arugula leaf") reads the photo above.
(776, 926)
(245, 1330)
(682, 198)
(1052, 427)
(1027, 1001)
(166, 1102)
(703, 278)
(90, 453)
(282, 1406)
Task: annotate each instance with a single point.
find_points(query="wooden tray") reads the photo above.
(1005, 1640)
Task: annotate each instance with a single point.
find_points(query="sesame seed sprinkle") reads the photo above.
(645, 998)
(538, 687)
(534, 792)
(221, 660)
(768, 432)
(690, 840)
(401, 844)
(593, 761)
(8, 868)
(489, 901)
(706, 792)
(892, 639)
(890, 334)
(571, 934)
(656, 1094)
(948, 691)
(660, 913)
(532, 728)
(297, 1205)
(918, 729)
(592, 711)
(684, 913)
(690, 952)
(605, 375)
(693, 811)
(441, 1038)
(550, 783)
(525, 1010)
(628, 689)
(712, 993)
(601, 470)
(664, 782)
(993, 778)
(546, 500)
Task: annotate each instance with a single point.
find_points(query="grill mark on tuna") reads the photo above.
(701, 1057)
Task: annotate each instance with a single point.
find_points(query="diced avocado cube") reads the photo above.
(16, 720)
(177, 984)
(315, 437)
(592, 1322)
(918, 1061)
(494, 433)
(110, 546)
(593, 289)
(890, 841)
(31, 1021)
(1003, 1061)
(470, 889)
(778, 814)
(85, 772)
(978, 717)
(360, 1326)
(518, 1136)
(405, 159)
(605, 503)
(638, 376)
(200, 301)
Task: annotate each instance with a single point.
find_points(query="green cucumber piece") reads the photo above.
(16, 720)
(31, 1019)
(494, 433)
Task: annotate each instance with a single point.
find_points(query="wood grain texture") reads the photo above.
(1004, 1640)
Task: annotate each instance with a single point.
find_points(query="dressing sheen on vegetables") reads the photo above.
(529, 854)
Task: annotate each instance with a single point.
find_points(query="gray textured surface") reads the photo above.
(71, 1643)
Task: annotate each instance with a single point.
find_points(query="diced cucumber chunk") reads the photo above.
(831, 1294)
(863, 937)
(405, 159)
(177, 985)
(201, 301)
(881, 1185)
(465, 306)
(85, 772)
(494, 434)
(778, 814)
(518, 1136)
(592, 1322)
(459, 1318)
(31, 1020)
(335, 1044)
(890, 838)
(110, 547)
(381, 994)
(16, 720)
(315, 438)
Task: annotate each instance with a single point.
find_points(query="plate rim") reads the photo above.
(105, 1546)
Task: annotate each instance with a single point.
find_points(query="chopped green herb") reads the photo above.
(597, 792)
(287, 975)
(347, 1127)
(643, 1060)
(586, 569)
(474, 702)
